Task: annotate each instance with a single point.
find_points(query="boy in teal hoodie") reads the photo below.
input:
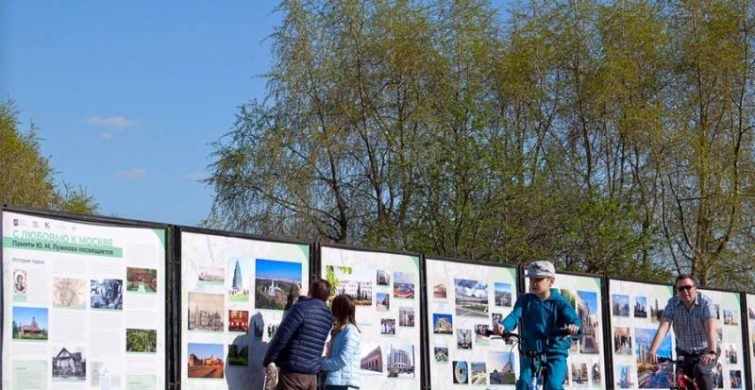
(545, 316)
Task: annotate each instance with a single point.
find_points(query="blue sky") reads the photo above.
(128, 97)
(591, 300)
(23, 316)
(203, 351)
(271, 269)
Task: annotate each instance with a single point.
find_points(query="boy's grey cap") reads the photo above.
(541, 269)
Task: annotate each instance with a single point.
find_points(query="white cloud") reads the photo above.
(132, 174)
(106, 135)
(195, 176)
(113, 122)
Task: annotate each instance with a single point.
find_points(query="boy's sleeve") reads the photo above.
(571, 317)
(283, 335)
(510, 322)
(668, 311)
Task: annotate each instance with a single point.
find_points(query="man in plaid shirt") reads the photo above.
(693, 316)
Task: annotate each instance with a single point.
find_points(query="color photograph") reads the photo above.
(587, 309)
(400, 361)
(238, 275)
(69, 293)
(503, 295)
(495, 319)
(461, 372)
(503, 367)
(479, 375)
(731, 317)
(620, 305)
(238, 321)
(625, 377)
(141, 340)
(651, 375)
(206, 312)
(735, 379)
(440, 291)
(372, 358)
(640, 307)
(406, 316)
(388, 326)
(481, 334)
(29, 323)
(141, 280)
(106, 294)
(382, 301)
(205, 361)
(443, 323)
(238, 355)
(471, 298)
(579, 374)
(274, 282)
(69, 364)
(356, 283)
(622, 341)
(403, 285)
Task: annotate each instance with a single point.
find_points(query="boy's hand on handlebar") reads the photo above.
(498, 329)
(571, 329)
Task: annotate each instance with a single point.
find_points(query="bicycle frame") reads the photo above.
(681, 381)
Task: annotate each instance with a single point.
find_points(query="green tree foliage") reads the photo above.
(27, 178)
(612, 137)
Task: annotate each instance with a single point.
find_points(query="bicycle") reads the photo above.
(680, 380)
(537, 358)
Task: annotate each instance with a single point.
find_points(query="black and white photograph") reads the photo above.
(464, 338)
(106, 294)
(206, 312)
(440, 352)
(19, 282)
(69, 364)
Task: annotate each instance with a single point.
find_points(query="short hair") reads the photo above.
(320, 289)
(685, 276)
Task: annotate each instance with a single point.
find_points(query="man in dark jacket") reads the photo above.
(298, 343)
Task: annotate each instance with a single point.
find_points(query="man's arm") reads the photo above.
(663, 328)
(283, 335)
(711, 333)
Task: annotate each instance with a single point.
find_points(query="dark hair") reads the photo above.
(344, 310)
(685, 276)
(320, 289)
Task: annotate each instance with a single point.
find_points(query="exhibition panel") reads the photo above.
(464, 302)
(84, 302)
(386, 289)
(234, 292)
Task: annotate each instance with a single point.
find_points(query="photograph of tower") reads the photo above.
(239, 270)
(206, 312)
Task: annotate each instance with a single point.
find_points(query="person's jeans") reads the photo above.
(555, 372)
(703, 374)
